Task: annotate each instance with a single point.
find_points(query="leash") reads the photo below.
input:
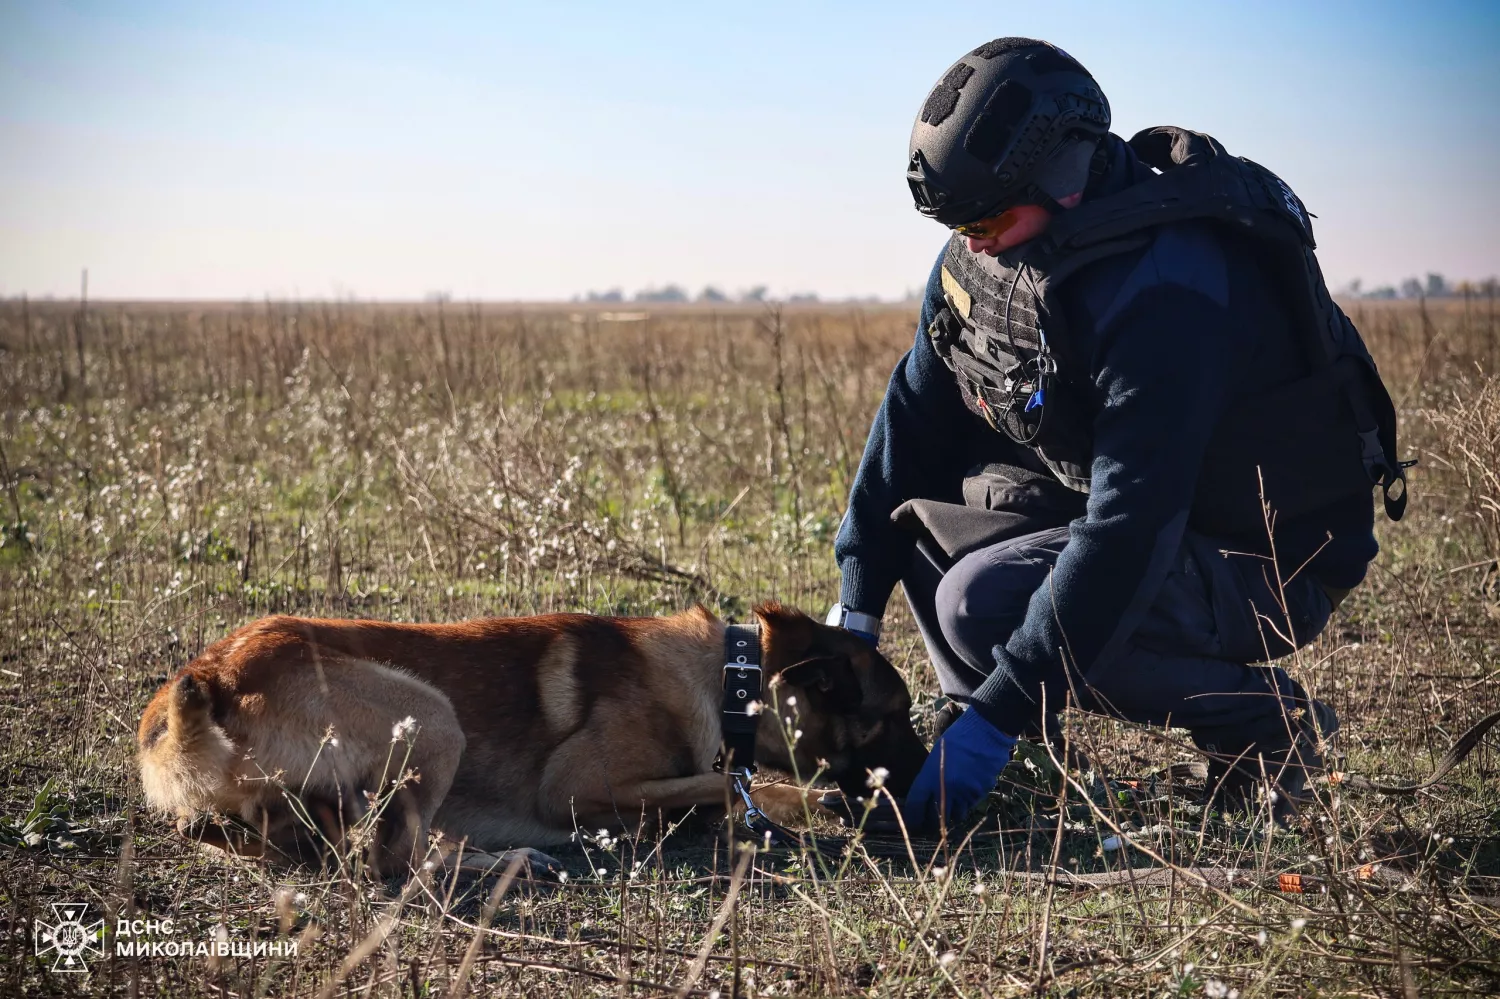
(739, 719)
(1375, 876)
(1371, 876)
(1462, 747)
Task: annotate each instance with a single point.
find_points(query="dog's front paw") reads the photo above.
(532, 865)
(788, 804)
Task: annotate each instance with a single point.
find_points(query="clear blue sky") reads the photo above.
(537, 150)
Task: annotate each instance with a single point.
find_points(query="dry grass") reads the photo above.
(170, 472)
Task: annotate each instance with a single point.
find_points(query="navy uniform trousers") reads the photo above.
(1198, 660)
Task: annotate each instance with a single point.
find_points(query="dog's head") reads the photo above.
(848, 703)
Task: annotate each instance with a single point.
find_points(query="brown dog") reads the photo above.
(512, 731)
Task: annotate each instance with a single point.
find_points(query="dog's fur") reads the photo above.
(526, 728)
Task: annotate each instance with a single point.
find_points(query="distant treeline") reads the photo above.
(709, 295)
(1436, 286)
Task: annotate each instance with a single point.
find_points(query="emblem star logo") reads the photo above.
(69, 937)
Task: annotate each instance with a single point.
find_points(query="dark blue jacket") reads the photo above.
(1173, 333)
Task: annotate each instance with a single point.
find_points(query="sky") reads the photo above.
(532, 151)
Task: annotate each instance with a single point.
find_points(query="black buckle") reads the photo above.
(741, 671)
(742, 687)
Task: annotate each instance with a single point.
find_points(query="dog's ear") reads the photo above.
(789, 630)
(829, 680)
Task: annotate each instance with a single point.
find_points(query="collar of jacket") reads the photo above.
(1123, 168)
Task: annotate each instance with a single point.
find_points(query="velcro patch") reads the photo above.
(961, 299)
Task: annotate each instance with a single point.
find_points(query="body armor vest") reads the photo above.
(1317, 438)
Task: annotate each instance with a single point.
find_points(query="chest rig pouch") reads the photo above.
(1323, 435)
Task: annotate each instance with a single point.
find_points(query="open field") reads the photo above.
(170, 472)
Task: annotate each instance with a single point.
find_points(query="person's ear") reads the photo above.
(830, 682)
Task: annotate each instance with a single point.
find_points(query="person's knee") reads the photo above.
(979, 602)
(951, 601)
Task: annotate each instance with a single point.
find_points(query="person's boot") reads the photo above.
(1281, 764)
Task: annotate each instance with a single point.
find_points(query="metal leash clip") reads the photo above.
(758, 822)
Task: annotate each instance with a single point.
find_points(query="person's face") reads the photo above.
(1012, 227)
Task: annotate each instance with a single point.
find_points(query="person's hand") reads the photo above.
(962, 768)
(874, 641)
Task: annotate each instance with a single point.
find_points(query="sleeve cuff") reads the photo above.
(865, 590)
(1002, 701)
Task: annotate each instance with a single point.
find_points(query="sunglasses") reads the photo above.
(989, 228)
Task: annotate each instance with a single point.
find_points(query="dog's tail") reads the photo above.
(185, 756)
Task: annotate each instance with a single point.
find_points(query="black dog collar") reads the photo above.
(739, 715)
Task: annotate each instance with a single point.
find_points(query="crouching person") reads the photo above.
(1128, 379)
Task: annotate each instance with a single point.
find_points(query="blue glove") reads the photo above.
(874, 642)
(962, 768)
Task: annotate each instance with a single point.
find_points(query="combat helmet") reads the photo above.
(1015, 121)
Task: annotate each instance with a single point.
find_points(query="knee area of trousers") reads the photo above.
(951, 602)
(974, 588)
